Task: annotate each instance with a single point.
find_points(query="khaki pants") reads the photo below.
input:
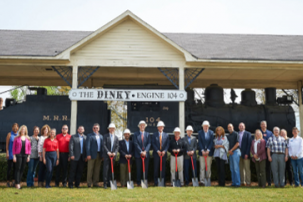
(180, 160)
(124, 173)
(202, 167)
(245, 171)
(93, 171)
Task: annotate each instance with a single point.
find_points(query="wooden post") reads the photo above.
(181, 104)
(300, 105)
(73, 117)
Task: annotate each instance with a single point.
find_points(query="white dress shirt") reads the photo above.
(295, 147)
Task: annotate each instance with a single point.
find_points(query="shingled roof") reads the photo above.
(202, 46)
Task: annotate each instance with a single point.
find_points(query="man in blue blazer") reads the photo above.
(94, 156)
(244, 144)
(126, 150)
(160, 142)
(142, 149)
(206, 148)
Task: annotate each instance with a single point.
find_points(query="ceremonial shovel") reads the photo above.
(160, 180)
(113, 183)
(176, 182)
(194, 179)
(207, 179)
(144, 181)
(130, 184)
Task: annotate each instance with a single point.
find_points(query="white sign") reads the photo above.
(127, 95)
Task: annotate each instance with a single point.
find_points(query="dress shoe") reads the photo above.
(243, 185)
(56, 185)
(249, 185)
(40, 184)
(96, 185)
(70, 187)
(64, 185)
(105, 186)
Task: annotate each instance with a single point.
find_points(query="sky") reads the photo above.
(188, 16)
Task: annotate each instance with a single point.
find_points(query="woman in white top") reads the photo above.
(45, 132)
(295, 151)
(288, 168)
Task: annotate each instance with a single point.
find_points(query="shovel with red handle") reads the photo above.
(194, 179)
(176, 182)
(160, 180)
(130, 184)
(144, 181)
(207, 179)
(113, 183)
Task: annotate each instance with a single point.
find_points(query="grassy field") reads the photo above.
(153, 194)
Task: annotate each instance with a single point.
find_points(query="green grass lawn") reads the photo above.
(153, 194)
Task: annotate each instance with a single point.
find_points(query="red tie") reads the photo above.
(142, 138)
(160, 141)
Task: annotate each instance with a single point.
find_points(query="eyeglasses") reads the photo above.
(64, 128)
(96, 128)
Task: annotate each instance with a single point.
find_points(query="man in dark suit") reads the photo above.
(110, 149)
(77, 156)
(190, 147)
(244, 144)
(160, 144)
(142, 143)
(126, 150)
(94, 156)
(206, 148)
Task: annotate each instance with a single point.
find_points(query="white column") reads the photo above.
(300, 105)
(73, 116)
(181, 104)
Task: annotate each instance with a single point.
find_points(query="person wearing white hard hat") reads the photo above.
(111, 148)
(176, 147)
(142, 143)
(126, 150)
(160, 142)
(206, 148)
(190, 147)
(94, 150)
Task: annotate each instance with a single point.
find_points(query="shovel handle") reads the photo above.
(143, 164)
(192, 163)
(176, 157)
(161, 163)
(128, 162)
(111, 162)
(205, 159)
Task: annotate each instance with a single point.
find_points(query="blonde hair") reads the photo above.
(43, 129)
(285, 133)
(26, 132)
(258, 130)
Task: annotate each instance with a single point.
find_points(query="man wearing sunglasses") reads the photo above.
(63, 140)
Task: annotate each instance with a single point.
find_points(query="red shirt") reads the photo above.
(50, 145)
(63, 142)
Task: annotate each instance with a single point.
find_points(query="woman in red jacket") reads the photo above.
(258, 152)
(50, 155)
(21, 152)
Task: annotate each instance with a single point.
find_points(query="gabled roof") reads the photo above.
(201, 46)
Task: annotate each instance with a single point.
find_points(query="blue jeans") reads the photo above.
(187, 165)
(234, 161)
(32, 166)
(51, 159)
(297, 166)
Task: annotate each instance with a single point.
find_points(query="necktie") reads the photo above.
(189, 140)
(142, 138)
(160, 141)
(111, 142)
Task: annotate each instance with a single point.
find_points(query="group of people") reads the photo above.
(272, 153)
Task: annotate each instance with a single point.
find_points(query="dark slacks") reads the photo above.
(42, 172)
(139, 170)
(107, 170)
(187, 167)
(157, 168)
(261, 173)
(51, 158)
(268, 171)
(62, 168)
(11, 166)
(20, 165)
(76, 169)
(288, 172)
(220, 171)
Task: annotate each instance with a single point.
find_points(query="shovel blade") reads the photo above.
(195, 182)
(144, 184)
(176, 183)
(160, 182)
(113, 185)
(130, 184)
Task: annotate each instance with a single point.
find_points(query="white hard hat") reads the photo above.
(142, 122)
(205, 123)
(111, 125)
(126, 131)
(189, 128)
(177, 129)
(160, 123)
